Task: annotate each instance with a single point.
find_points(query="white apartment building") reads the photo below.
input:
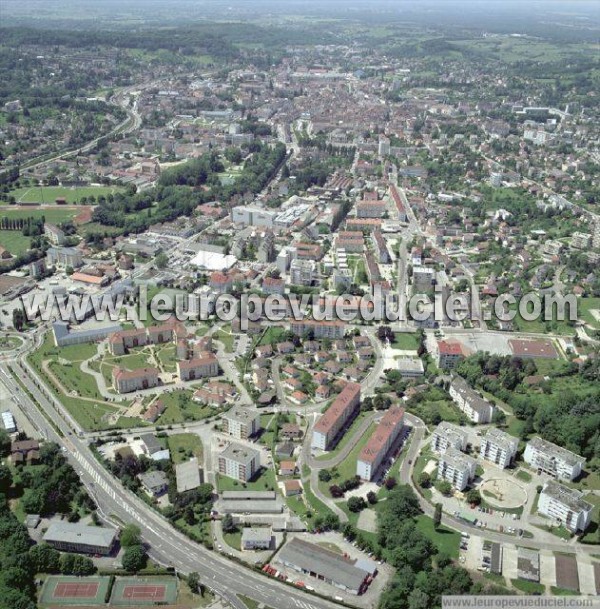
(498, 447)
(470, 402)
(565, 505)
(447, 435)
(380, 443)
(241, 423)
(457, 468)
(239, 462)
(302, 272)
(552, 459)
(253, 216)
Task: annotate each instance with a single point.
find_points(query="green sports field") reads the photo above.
(49, 194)
(128, 591)
(59, 591)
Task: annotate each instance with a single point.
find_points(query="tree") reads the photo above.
(130, 536)
(437, 515)
(390, 483)
(372, 497)
(161, 260)
(356, 504)
(134, 559)
(424, 480)
(473, 496)
(193, 581)
(45, 558)
(336, 491)
(324, 475)
(5, 479)
(444, 487)
(4, 443)
(18, 319)
(228, 525)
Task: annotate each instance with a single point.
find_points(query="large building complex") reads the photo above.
(380, 443)
(470, 402)
(552, 459)
(566, 506)
(126, 381)
(457, 468)
(447, 435)
(241, 423)
(239, 462)
(331, 567)
(498, 447)
(75, 537)
(343, 409)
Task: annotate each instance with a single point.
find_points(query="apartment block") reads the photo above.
(343, 409)
(450, 354)
(552, 459)
(457, 468)
(566, 506)
(241, 423)
(199, 367)
(499, 447)
(470, 402)
(302, 272)
(126, 381)
(375, 451)
(447, 435)
(239, 462)
(319, 329)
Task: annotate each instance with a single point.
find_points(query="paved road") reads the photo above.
(167, 545)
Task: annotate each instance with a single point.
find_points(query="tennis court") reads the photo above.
(74, 590)
(133, 591)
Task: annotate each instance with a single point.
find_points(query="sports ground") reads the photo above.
(76, 592)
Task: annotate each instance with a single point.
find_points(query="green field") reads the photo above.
(405, 341)
(14, 241)
(55, 215)
(584, 306)
(446, 540)
(264, 482)
(181, 407)
(183, 446)
(527, 586)
(48, 194)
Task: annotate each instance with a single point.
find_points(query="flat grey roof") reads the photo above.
(248, 495)
(570, 497)
(187, 475)
(261, 534)
(553, 450)
(72, 532)
(312, 558)
(501, 439)
(240, 453)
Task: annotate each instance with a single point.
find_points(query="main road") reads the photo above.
(116, 504)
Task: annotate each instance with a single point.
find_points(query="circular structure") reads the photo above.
(503, 493)
(10, 342)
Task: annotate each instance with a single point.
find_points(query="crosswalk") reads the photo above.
(303, 604)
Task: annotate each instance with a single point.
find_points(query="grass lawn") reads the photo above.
(264, 482)
(183, 446)
(181, 407)
(523, 475)
(405, 341)
(497, 579)
(55, 216)
(446, 540)
(233, 539)
(166, 356)
(528, 587)
(344, 440)
(347, 468)
(48, 194)
(563, 591)
(584, 310)
(559, 532)
(14, 241)
(7, 343)
(268, 423)
(225, 337)
(272, 335)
